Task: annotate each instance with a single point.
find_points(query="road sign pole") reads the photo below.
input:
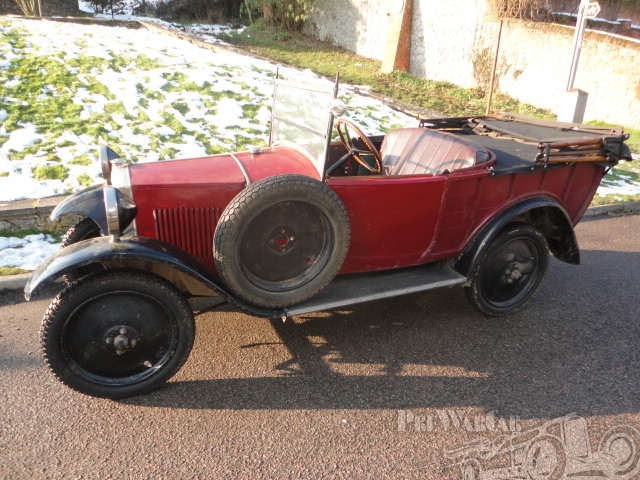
(587, 9)
(577, 44)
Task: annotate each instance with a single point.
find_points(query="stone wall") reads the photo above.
(455, 41)
(356, 25)
(49, 7)
(9, 6)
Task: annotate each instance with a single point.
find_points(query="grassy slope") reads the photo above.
(303, 52)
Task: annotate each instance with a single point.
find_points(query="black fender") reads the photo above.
(176, 266)
(90, 202)
(545, 214)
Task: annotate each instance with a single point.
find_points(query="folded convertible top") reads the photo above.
(518, 140)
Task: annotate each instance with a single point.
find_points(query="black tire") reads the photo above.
(509, 271)
(83, 230)
(117, 334)
(281, 240)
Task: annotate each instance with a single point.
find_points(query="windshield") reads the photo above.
(301, 118)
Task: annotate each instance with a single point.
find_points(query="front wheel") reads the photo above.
(620, 446)
(118, 334)
(509, 270)
(83, 230)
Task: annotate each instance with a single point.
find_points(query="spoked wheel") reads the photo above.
(509, 271)
(342, 127)
(116, 335)
(83, 230)
(471, 470)
(281, 240)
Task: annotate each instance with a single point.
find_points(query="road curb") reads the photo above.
(615, 209)
(14, 282)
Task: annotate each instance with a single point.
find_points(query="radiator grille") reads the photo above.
(191, 229)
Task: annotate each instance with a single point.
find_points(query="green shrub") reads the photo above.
(287, 15)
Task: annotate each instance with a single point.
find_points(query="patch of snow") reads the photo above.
(21, 139)
(26, 252)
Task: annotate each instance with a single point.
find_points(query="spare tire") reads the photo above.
(281, 240)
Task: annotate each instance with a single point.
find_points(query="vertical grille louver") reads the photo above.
(190, 229)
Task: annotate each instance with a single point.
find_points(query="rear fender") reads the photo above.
(545, 214)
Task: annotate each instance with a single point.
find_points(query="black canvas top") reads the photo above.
(539, 133)
(515, 139)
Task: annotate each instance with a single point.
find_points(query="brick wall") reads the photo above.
(455, 40)
(49, 7)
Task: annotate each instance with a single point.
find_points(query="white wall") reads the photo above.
(448, 37)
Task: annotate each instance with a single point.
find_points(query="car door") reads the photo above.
(393, 219)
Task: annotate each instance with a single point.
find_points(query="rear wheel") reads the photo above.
(509, 270)
(281, 240)
(118, 334)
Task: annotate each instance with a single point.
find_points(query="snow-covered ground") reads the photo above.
(185, 101)
(151, 95)
(165, 98)
(26, 252)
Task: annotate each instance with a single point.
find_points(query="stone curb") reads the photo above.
(18, 282)
(14, 282)
(616, 209)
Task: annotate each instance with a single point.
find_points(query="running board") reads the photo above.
(364, 287)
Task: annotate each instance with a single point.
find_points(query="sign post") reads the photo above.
(574, 101)
(587, 9)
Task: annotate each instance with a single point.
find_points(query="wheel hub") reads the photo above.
(282, 239)
(513, 272)
(121, 338)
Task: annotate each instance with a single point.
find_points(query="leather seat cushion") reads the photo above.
(420, 151)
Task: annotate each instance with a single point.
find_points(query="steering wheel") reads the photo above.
(342, 127)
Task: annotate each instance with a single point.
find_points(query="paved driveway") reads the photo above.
(416, 387)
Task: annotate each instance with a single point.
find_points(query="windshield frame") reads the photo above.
(318, 134)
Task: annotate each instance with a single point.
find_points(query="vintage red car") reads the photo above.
(311, 222)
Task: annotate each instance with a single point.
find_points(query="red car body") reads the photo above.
(395, 221)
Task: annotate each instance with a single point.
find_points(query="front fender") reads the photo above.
(90, 202)
(176, 266)
(167, 261)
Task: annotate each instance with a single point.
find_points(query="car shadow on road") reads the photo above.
(572, 349)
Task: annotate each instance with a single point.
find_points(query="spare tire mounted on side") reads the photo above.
(281, 240)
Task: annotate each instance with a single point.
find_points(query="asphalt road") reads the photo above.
(388, 389)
